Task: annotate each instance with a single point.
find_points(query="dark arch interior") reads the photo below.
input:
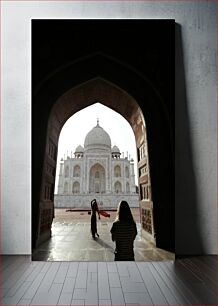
(116, 76)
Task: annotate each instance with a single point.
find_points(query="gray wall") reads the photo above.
(198, 40)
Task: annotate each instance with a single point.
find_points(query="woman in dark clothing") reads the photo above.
(123, 232)
(94, 207)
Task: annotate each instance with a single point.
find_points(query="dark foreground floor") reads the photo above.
(188, 281)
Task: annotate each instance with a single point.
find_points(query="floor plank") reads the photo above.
(151, 284)
(187, 281)
(169, 269)
(164, 288)
(170, 283)
(209, 272)
(206, 296)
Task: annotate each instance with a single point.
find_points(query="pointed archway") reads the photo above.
(97, 180)
(135, 99)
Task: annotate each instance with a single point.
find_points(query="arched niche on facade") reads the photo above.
(127, 188)
(127, 172)
(66, 188)
(76, 187)
(118, 187)
(76, 171)
(96, 79)
(97, 179)
(66, 171)
(117, 171)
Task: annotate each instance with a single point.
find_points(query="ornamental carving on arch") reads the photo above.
(101, 162)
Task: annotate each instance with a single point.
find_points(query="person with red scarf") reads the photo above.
(95, 209)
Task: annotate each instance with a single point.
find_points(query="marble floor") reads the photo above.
(72, 241)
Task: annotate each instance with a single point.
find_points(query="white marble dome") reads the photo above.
(97, 138)
(79, 149)
(115, 149)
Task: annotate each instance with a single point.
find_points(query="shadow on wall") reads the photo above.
(187, 222)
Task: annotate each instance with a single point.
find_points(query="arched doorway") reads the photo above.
(76, 187)
(97, 179)
(138, 103)
(118, 187)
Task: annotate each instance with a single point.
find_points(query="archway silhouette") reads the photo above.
(100, 78)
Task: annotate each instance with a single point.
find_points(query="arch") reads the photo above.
(97, 175)
(127, 172)
(117, 171)
(127, 187)
(118, 187)
(96, 80)
(76, 187)
(66, 187)
(66, 171)
(76, 171)
(97, 187)
(97, 179)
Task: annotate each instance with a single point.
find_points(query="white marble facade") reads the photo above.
(96, 171)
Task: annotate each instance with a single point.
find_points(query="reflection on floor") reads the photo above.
(73, 242)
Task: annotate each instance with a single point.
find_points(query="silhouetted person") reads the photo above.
(123, 232)
(94, 207)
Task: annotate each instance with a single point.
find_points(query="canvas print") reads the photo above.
(91, 211)
(103, 140)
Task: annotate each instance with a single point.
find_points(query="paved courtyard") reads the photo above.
(71, 240)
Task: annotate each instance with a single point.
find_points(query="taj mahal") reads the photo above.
(97, 170)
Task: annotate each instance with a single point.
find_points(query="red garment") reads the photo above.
(95, 209)
(104, 213)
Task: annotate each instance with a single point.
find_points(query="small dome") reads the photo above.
(115, 149)
(97, 138)
(79, 149)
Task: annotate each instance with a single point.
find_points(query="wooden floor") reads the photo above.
(187, 281)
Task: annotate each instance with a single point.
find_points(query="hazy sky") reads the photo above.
(76, 128)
